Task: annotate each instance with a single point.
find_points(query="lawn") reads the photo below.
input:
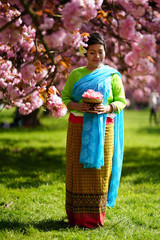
(32, 183)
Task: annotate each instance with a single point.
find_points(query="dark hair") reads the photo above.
(96, 38)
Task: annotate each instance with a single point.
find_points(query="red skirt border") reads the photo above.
(89, 220)
(79, 119)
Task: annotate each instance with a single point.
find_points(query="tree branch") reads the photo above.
(39, 34)
(10, 23)
(36, 23)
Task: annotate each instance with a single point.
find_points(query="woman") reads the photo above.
(94, 148)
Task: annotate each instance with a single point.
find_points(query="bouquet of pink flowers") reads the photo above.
(91, 96)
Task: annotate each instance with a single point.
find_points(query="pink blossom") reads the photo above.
(56, 39)
(48, 23)
(14, 37)
(158, 2)
(132, 57)
(69, 39)
(138, 95)
(3, 83)
(77, 40)
(28, 72)
(53, 90)
(140, 2)
(59, 112)
(98, 3)
(128, 102)
(1, 95)
(127, 27)
(71, 15)
(33, 103)
(135, 9)
(8, 106)
(18, 102)
(13, 92)
(147, 90)
(92, 94)
(129, 58)
(143, 67)
(41, 75)
(27, 19)
(53, 101)
(138, 12)
(5, 65)
(90, 9)
(147, 45)
(26, 43)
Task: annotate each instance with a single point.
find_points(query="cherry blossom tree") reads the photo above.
(40, 42)
(132, 31)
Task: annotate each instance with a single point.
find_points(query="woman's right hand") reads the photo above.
(82, 107)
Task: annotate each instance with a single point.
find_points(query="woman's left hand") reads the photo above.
(100, 109)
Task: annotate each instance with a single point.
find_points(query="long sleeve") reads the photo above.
(67, 91)
(117, 95)
(74, 76)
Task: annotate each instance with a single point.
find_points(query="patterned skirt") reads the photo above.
(86, 189)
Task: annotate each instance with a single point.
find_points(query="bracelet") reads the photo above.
(111, 108)
(114, 108)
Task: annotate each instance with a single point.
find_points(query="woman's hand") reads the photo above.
(100, 108)
(86, 107)
(82, 107)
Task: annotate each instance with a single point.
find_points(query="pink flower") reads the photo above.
(138, 11)
(14, 37)
(1, 95)
(27, 19)
(53, 90)
(142, 68)
(140, 2)
(139, 95)
(127, 27)
(72, 13)
(147, 45)
(92, 94)
(129, 59)
(77, 40)
(158, 2)
(48, 23)
(59, 112)
(98, 3)
(135, 7)
(41, 75)
(5, 65)
(90, 9)
(56, 39)
(13, 92)
(28, 72)
(53, 102)
(128, 102)
(31, 104)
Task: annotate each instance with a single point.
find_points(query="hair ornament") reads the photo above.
(82, 50)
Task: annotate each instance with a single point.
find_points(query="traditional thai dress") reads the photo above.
(93, 168)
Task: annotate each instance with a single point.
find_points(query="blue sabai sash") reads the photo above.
(93, 134)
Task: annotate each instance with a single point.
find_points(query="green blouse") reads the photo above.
(116, 97)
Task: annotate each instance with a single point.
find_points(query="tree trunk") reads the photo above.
(31, 120)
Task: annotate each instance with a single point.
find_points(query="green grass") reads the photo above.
(32, 183)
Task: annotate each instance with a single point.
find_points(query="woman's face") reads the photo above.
(95, 55)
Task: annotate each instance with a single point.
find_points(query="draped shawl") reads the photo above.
(93, 133)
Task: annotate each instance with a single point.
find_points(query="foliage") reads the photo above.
(32, 183)
(38, 42)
